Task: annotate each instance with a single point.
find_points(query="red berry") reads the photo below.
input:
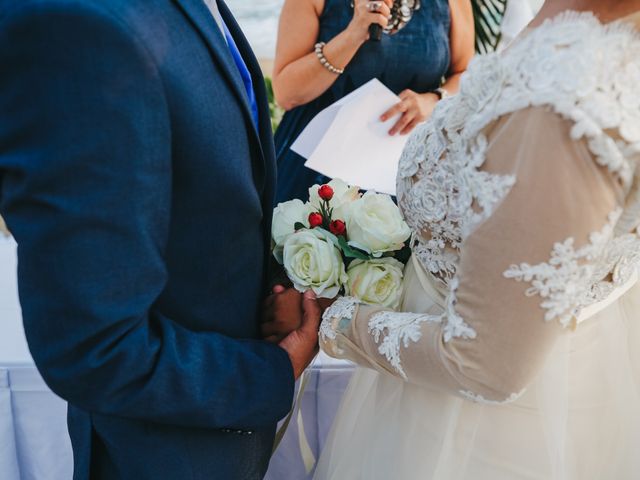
(338, 227)
(325, 192)
(315, 219)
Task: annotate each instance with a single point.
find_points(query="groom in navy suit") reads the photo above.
(137, 176)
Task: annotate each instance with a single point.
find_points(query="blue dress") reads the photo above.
(417, 58)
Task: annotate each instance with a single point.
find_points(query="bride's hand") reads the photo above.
(282, 313)
(414, 107)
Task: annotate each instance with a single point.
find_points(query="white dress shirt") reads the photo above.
(212, 5)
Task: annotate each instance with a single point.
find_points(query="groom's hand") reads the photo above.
(302, 343)
(282, 313)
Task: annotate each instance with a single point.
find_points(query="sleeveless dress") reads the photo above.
(417, 58)
(515, 353)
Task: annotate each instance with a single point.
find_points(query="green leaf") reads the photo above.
(404, 254)
(487, 16)
(274, 109)
(351, 252)
(334, 239)
(299, 226)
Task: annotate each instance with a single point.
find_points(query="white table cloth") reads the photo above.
(34, 442)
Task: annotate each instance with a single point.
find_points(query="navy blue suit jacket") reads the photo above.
(140, 195)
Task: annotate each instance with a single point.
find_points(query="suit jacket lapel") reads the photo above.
(200, 16)
(254, 69)
(266, 135)
(264, 120)
(264, 170)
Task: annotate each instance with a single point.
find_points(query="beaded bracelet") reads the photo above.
(319, 47)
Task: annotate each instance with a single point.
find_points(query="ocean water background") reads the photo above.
(259, 21)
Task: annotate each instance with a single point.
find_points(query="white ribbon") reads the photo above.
(308, 458)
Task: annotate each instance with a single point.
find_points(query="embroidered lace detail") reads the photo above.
(396, 329)
(565, 64)
(474, 397)
(575, 278)
(342, 309)
(446, 197)
(455, 326)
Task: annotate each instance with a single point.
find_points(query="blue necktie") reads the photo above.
(244, 73)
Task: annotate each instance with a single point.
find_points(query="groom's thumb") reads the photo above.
(312, 312)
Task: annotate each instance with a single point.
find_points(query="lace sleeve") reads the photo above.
(522, 277)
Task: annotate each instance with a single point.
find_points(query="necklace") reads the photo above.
(401, 14)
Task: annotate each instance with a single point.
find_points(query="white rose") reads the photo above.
(375, 225)
(285, 216)
(377, 282)
(343, 195)
(312, 261)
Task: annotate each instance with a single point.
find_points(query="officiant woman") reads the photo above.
(324, 52)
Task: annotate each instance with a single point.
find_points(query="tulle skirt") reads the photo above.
(580, 419)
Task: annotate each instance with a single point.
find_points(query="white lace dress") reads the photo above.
(516, 351)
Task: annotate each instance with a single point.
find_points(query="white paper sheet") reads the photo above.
(347, 140)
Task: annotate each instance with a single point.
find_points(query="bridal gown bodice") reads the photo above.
(523, 196)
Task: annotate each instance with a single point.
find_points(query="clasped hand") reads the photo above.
(292, 320)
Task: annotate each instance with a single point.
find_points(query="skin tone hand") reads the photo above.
(363, 18)
(414, 108)
(302, 343)
(417, 107)
(326, 303)
(283, 313)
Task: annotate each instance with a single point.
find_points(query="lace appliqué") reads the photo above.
(565, 64)
(336, 318)
(575, 278)
(342, 309)
(455, 326)
(474, 397)
(399, 329)
(445, 195)
(396, 329)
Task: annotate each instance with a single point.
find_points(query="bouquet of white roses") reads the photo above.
(343, 242)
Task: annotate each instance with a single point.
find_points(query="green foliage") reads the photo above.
(274, 109)
(487, 15)
(351, 252)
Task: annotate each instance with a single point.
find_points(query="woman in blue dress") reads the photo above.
(324, 52)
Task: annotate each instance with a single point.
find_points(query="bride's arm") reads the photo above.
(521, 273)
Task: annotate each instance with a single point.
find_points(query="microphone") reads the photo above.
(375, 32)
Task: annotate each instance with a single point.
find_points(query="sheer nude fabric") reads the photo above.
(515, 353)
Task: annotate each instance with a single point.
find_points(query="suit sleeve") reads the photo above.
(85, 187)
